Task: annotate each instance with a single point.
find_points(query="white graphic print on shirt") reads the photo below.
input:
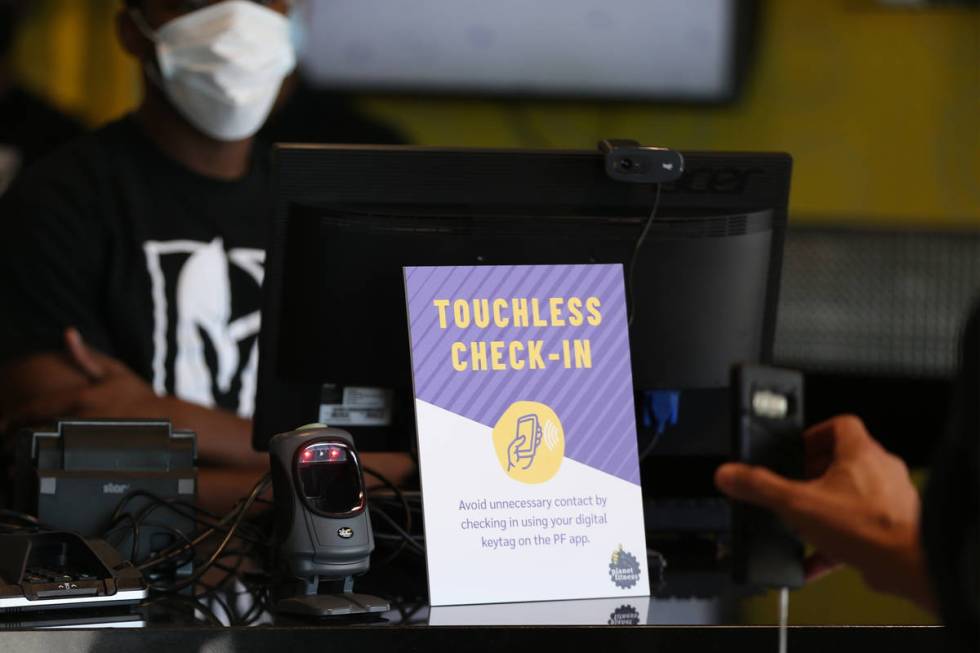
(201, 288)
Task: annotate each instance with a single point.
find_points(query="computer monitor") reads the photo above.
(673, 50)
(334, 341)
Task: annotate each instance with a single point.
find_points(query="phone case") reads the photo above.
(767, 431)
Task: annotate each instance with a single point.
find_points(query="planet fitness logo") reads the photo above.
(625, 615)
(624, 569)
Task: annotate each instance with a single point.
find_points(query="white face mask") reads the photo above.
(222, 66)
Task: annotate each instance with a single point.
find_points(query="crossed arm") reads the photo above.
(82, 382)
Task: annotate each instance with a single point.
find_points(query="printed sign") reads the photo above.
(527, 433)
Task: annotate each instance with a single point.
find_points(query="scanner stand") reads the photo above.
(338, 604)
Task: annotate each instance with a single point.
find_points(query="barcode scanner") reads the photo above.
(323, 528)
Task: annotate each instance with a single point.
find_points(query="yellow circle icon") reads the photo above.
(529, 441)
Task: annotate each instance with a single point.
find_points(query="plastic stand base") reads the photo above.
(310, 603)
(332, 605)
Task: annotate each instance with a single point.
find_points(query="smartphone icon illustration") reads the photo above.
(524, 446)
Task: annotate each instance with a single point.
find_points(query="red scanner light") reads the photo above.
(323, 452)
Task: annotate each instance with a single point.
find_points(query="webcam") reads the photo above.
(323, 528)
(631, 162)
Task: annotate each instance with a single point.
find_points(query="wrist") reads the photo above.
(916, 584)
(900, 568)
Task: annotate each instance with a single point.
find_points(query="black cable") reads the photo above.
(249, 589)
(134, 548)
(254, 611)
(398, 493)
(377, 507)
(395, 505)
(176, 505)
(141, 517)
(228, 598)
(401, 611)
(260, 606)
(394, 537)
(118, 515)
(415, 501)
(258, 592)
(415, 610)
(200, 571)
(650, 446)
(124, 501)
(636, 254)
(222, 603)
(179, 534)
(408, 538)
(174, 551)
(231, 572)
(391, 557)
(143, 514)
(172, 504)
(402, 500)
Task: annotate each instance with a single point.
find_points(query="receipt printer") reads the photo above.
(81, 474)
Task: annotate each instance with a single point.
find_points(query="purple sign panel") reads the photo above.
(485, 337)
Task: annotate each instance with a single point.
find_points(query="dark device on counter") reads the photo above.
(641, 164)
(323, 529)
(767, 431)
(57, 570)
(73, 477)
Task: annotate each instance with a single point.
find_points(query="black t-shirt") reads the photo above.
(157, 266)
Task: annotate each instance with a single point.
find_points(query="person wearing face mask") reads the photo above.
(131, 262)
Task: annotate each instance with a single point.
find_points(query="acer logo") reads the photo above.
(713, 180)
(115, 488)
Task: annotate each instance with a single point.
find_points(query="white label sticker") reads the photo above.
(365, 397)
(357, 407)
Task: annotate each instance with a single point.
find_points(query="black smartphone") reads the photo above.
(768, 419)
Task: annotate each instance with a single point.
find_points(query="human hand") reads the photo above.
(114, 390)
(858, 507)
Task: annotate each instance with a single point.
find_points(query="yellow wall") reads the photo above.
(67, 50)
(878, 106)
